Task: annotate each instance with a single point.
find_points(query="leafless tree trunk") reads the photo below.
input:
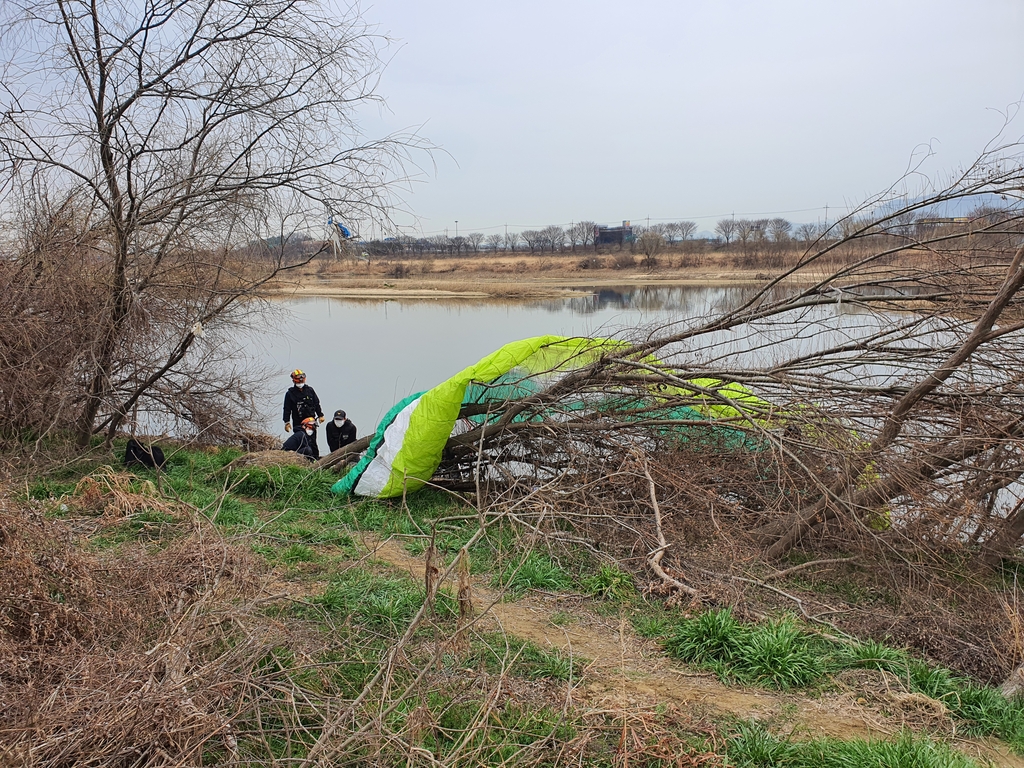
(189, 135)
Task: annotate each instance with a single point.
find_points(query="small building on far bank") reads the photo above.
(613, 235)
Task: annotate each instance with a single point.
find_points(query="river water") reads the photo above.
(363, 356)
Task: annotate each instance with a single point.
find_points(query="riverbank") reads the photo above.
(287, 597)
(518, 276)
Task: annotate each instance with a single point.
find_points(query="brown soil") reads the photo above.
(626, 672)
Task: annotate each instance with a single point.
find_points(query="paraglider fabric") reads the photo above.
(406, 447)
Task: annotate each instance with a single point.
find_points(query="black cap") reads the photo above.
(339, 414)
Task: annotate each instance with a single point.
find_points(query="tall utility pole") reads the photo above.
(456, 227)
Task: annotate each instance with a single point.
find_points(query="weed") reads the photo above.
(652, 626)
(535, 571)
(384, 604)
(522, 658)
(870, 654)
(752, 746)
(778, 654)
(497, 737)
(298, 553)
(610, 583)
(562, 619)
(714, 636)
(284, 486)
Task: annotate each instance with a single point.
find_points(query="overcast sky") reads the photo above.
(553, 111)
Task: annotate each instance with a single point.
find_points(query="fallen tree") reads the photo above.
(887, 368)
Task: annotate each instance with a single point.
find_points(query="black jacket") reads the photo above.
(300, 404)
(339, 436)
(302, 444)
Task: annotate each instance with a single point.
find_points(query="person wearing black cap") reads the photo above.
(340, 431)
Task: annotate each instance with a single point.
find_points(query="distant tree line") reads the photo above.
(754, 242)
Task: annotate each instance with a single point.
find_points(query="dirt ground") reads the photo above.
(626, 671)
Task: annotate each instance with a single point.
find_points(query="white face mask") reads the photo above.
(309, 431)
(301, 384)
(338, 422)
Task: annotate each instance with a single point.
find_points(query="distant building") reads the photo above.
(613, 235)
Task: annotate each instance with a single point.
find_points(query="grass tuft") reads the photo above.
(610, 583)
(535, 571)
(752, 746)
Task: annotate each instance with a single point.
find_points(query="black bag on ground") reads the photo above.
(137, 454)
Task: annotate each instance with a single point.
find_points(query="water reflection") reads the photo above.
(688, 301)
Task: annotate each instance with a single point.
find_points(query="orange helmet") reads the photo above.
(298, 375)
(309, 422)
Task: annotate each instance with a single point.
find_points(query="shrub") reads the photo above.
(623, 261)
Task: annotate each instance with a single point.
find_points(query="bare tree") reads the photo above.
(475, 239)
(808, 233)
(589, 230)
(686, 229)
(669, 231)
(511, 241)
(650, 244)
(580, 234)
(186, 133)
(553, 237)
(726, 229)
(440, 243)
(533, 239)
(745, 230)
(779, 229)
(494, 242)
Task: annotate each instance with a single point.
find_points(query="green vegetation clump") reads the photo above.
(284, 485)
(776, 654)
(384, 603)
(505, 653)
(781, 654)
(535, 571)
(752, 746)
(610, 583)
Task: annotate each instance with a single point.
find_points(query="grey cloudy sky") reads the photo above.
(554, 111)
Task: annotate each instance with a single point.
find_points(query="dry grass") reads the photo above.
(138, 659)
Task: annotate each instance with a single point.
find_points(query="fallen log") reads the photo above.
(337, 457)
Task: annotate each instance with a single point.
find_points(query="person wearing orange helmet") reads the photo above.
(303, 442)
(300, 402)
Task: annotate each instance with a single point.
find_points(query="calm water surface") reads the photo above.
(364, 356)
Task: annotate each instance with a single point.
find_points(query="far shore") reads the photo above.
(483, 279)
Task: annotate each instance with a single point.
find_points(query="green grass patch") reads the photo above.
(285, 486)
(752, 746)
(535, 571)
(497, 735)
(777, 654)
(384, 604)
(522, 658)
(781, 654)
(610, 583)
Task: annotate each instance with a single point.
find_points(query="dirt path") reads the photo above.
(629, 672)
